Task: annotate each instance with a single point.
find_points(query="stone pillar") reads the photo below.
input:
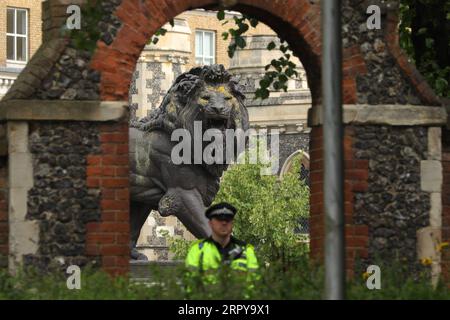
(23, 233)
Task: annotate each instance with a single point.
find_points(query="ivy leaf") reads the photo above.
(276, 64)
(282, 78)
(290, 72)
(262, 93)
(271, 74)
(276, 85)
(264, 83)
(271, 45)
(243, 28)
(231, 50)
(240, 42)
(221, 14)
(254, 22)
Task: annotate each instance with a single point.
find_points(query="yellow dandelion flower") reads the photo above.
(441, 245)
(426, 261)
(365, 275)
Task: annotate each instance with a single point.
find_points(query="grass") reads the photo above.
(300, 281)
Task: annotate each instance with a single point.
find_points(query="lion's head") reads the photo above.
(207, 94)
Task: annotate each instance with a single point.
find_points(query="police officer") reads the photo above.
(221, 248)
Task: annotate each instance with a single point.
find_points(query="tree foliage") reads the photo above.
(86, 38)
(424, 34)
(269, 211)
(278, 71)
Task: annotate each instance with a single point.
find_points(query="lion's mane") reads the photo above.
(177, 110)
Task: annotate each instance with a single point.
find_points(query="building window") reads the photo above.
(205, 51)
(17, 35)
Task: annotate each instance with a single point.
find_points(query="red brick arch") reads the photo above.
(298, 22)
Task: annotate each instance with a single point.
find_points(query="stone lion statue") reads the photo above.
(208, 95)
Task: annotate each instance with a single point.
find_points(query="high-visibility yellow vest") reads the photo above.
(203, 255)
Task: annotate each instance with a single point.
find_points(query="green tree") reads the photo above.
(269, 211)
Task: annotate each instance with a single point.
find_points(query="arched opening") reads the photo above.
(304, 168)
(159, 65)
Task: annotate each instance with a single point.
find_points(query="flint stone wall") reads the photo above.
(394, 207)
(60, 199)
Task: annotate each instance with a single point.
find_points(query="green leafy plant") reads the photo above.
(424, 35)
(278, 72)
(303, 280)
(160, 32)
(86, 38)
(269, 210)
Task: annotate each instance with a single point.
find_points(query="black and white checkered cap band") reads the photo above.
(224, 211)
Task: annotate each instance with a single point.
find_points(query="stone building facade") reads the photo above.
(30, 17)
(385, 101)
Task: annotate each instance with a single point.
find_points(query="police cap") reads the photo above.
(221, 210)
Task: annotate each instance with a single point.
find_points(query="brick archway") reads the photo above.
(299, 24)
(401, 104)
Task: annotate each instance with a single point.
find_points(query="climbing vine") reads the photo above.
(278, 72)
(86, 37)
(159, 33)
(424, 34)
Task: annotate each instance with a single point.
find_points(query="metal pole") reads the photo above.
(333, 150)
